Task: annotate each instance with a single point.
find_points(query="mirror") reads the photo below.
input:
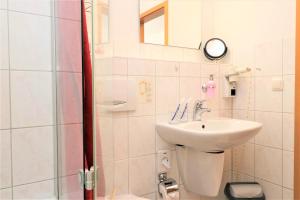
(215, 49)
(101, 21)
(171, 22)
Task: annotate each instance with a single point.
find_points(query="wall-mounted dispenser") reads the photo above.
(231, 79)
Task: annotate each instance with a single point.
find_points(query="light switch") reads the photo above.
(277, 84)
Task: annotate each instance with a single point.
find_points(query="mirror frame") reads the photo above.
(158, 10)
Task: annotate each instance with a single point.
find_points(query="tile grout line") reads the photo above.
(128, 140)
(155, 120)
(254, 117)
(282, 108)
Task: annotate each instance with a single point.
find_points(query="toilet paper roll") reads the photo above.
(168, 196)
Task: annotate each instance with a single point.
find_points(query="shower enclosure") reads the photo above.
(68, 76)
(46, 121)
(41, 95)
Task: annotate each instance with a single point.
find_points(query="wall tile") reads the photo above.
(125, 48)
(5, 159)
(225, 113)
(269, 58)
(35, 51)
(121, 141)
(108, 172)
(6, 194)
(32, 154)
(191, 55)
(5, 100)
(190, 89)
(31, 98)
(243, 159)
(173, 172)
(167, 94)
(31, 6)
(40, 190)
(228, 160)
(271, 190)
(69, 97)
(244, 114)
(239, 177)
(103, 66)
(289, 94)
(288, 194)
(207, 69)
(106, 137)
(164, 68)
(121, 177)
(288, 169)
(119, 66)
(3, 4)
(289, 56)
(141, 67)
(173, 53)
(264, 95)
(268, 164)
(141, 143)
(151, 51)
(4, 59)
(142, 175)
(288, 131)
(271, 132)
(190, 69)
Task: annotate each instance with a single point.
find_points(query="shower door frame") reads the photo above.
(297, 108)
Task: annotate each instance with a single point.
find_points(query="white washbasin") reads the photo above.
(209, 135)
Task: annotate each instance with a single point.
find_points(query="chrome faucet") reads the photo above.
(199, 110)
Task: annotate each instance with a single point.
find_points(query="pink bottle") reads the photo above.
(211, 86)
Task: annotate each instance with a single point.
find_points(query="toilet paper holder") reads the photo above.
(169, 185)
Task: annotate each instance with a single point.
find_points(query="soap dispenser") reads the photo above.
(209, 87)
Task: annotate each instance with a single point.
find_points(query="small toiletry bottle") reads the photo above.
(211, 86)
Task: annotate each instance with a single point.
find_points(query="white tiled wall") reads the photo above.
(28, 136)
(26, 121)
(270, 52)
(257, 38)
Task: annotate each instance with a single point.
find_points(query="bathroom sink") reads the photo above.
(209, 135)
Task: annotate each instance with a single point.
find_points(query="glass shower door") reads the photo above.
(69, 97)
